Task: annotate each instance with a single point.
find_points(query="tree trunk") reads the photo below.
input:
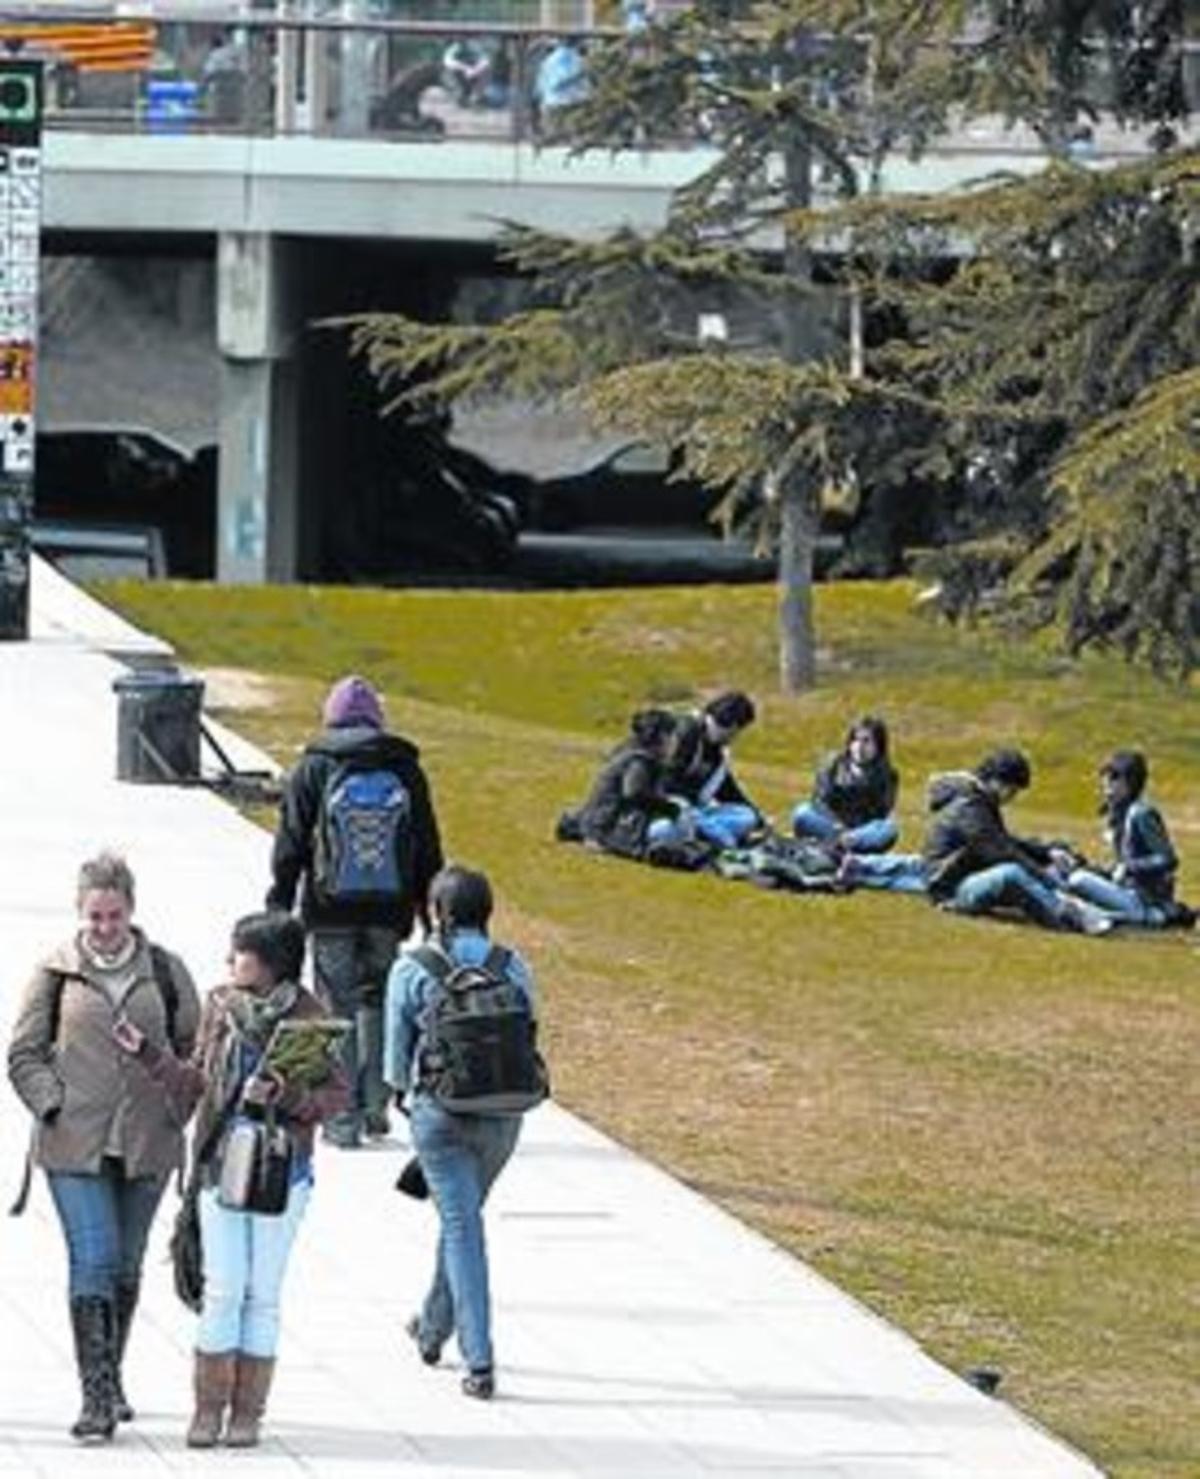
(797, 546)
(797, 507)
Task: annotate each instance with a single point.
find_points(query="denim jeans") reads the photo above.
(351, 968)
(245, 1259)
(461, 1155)
(811, 819)
(726, 823)
(1114, 898)
(898, 872)
(106, 1219)
(1008, 884)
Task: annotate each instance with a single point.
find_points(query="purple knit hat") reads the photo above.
(352, 701)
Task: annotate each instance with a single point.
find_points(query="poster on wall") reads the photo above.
(20, 247)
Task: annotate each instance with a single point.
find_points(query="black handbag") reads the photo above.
(256, 1167)
(187, 1254)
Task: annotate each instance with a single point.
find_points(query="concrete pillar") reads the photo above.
(259, 308)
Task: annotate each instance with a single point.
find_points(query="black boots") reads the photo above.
(93, 1326)
(127, 1298)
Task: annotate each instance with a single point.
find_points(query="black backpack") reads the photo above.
(478, 1051)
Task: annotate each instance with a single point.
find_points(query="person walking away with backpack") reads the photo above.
(709, 802)
(245, 1253)
(627, 795)
(854, 795)
(357, 839)
(1139, 888)
(461, 1044)
(107, 1139)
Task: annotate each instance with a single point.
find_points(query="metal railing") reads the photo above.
(339, 73)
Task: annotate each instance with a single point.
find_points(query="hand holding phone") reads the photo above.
(129, 1038)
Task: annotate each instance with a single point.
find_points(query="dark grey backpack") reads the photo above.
(478, 1052)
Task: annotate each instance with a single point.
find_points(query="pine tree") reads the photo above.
(797, 89)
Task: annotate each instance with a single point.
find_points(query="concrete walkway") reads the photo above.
(640, 1331)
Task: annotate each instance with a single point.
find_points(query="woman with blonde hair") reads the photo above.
(106, 1138)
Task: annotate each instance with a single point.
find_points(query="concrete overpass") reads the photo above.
(268, 202)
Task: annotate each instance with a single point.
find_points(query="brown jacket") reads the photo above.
(196, 1079)
(86, 1077)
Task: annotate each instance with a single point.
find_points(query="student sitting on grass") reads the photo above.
(1140, 886)
(973, 864)
(627, 795)
(710, 803)
(853, 795)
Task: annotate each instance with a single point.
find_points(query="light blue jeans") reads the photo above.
(897, 873)
(461, 1155)
(1114, 898)
(245, 1259)
(1012, 885)
(811, 819)
(726, 823)
(106, 1219)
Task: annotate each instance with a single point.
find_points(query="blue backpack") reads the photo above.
(364, 840)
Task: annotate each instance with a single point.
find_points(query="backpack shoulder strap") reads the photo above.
(164, 979)
(497, 961)
(58, 981)
(435, 961)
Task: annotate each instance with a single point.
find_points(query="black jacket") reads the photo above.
(623, 801)
(693, 758)
(856, 796)
(967, 834)
(1143, 848)
(292, 855)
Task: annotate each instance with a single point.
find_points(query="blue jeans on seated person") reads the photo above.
(811, 819)
(1115, 898)
(725, 823)
(1012, 885)
(106, 1219)
(461, 1156)
(245, 1258)
(897, 873)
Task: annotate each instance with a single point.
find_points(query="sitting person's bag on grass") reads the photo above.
(256, 1167)
(689, 854)
(478, 1052)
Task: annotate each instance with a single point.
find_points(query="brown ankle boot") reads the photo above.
(212, 1383)
(250, 1389)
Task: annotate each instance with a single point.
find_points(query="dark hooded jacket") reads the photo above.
(624, 800)
(967, 834)
(856, 796)
(364, 748)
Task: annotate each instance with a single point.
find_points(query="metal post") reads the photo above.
(20, 226)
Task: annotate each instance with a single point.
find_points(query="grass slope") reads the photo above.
(986, 1132)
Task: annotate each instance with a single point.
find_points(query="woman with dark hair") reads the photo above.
(709, 803)
(627, 794)
(107, 1140)
(854, 794)
(245, 1253)
(461, 1153)
(1139, 888)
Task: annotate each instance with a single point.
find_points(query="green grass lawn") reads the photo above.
(989, 1133)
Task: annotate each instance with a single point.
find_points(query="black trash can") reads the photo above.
(158, 725)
